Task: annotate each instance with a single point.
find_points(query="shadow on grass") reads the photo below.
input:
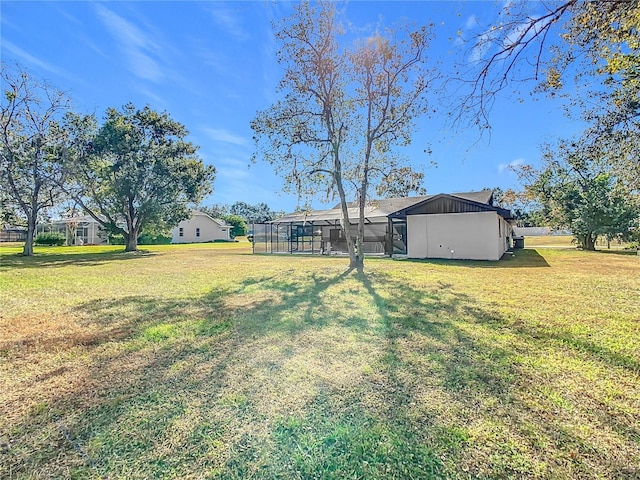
(332, 375)
(616, 252)
(524, 258)
(45, 260)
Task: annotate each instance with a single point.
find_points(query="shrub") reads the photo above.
(51, 239)
(116, 239)
(153, 239)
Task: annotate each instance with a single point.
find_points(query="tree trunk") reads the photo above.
(131, 242)
(27, 251)
(589, 242)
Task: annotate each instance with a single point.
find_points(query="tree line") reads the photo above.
(133, 172)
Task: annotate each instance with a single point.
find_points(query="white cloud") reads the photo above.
(483, 45)
(505, 166)
(222, 135)
(228, 20)
(28, 58)
(521, 33)
(138, 48)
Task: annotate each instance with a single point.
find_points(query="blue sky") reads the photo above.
(212, 65)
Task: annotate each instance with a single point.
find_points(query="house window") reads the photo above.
(181, 232)
(499, 228)
(197, 232)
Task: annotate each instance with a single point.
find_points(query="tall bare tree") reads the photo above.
(32, 143)
(343, 111)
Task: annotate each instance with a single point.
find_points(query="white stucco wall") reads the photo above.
(471, 236)
(209, 230)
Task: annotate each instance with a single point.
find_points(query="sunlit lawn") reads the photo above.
(204, 361)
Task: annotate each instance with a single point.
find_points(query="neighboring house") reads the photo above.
(460, 226)
(78, 230)
(13, 233)
(200, 228)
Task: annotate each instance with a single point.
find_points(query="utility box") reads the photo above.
(518, 242)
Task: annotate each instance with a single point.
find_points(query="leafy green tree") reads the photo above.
(343, 110)
(578, 193)
(239, 225)
(136, 170)
(217, 210)
(258, 213)
(593, 47)
(32, 144)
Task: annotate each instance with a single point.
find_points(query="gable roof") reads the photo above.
(383, 207)
(444, 203)
(218, 221)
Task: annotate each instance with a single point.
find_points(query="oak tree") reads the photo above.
(136, 170)
(577, 191)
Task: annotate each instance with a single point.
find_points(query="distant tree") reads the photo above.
(343, 109)
(32, 144)
(258, 213)
(137, 170)
(525, 209)
(239, 225)
(578, 193)
(217, 210)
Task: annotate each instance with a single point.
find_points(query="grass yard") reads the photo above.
(204, 361)
(568, 241)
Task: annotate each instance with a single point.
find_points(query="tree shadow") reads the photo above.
(18, 261)
(524, 258)
(606, 251)
(336, 375)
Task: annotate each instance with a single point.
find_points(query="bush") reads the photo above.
(116, 239)
(51, 239)
(153, 239)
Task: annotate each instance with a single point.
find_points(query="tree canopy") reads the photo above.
(136, 170)
(577, 191)
(571, 41)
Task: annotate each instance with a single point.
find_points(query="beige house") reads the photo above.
(200, 228)
(458, 226)
(455, 227)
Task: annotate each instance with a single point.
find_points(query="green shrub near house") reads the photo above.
(154, 239)
(52, 239)
(144, 239)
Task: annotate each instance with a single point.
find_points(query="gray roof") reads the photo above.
(376, 208)
(219, 221)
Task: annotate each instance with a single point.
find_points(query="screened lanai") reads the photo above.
(319, 233)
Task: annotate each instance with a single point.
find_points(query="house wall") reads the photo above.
(472, 236)
(209, 230)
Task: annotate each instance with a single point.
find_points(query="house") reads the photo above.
(461, 226)
(13, 233)
(78, 230)
(200, 228)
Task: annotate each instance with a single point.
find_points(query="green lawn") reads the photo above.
(204, 361)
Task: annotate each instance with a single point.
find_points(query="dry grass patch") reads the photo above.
(204, 361)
